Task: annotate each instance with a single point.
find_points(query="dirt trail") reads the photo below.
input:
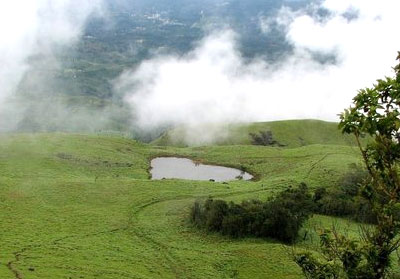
(12, 268)
(314, 165)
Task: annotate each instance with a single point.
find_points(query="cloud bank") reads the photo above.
(35, 27)
(213, 83)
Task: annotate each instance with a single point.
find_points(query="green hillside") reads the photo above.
(82, 206)
(289, 133)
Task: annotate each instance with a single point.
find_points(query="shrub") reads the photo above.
(334, 202)
(197, 215)
(264, 138)
(280, 218)
(352, 181)
(345, 200)
(286, 214)
(215, 213)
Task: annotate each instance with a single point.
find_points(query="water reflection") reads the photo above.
(182, 168)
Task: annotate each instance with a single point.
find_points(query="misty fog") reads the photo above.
(335, 48)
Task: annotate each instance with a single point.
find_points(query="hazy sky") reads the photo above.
(213, 83)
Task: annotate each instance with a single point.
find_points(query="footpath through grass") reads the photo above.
(82, 206)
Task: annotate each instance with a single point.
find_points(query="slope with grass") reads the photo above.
(289, 133)
(82, 206)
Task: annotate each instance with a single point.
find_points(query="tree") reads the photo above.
(263, 138)
(375, 113)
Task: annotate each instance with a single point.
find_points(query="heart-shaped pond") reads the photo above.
(182, 168)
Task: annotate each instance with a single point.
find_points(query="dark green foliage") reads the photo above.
(345, 201)
(287, 213)
(216, 211)
(335, 202)
(376, 113)
(313, 269)
(348, 256)
(264, 138)
(280, 218)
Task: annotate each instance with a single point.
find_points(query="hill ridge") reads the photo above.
(285, 133)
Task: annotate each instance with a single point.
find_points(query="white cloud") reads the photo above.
(31, 27)
(266, 24)
(214, 84)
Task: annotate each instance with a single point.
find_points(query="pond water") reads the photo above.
(170, 167)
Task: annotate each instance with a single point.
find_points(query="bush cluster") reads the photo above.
(280, 218)
(283, 216)
(346, 200)
(264, 138)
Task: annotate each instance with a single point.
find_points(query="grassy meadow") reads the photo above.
(83, 206)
